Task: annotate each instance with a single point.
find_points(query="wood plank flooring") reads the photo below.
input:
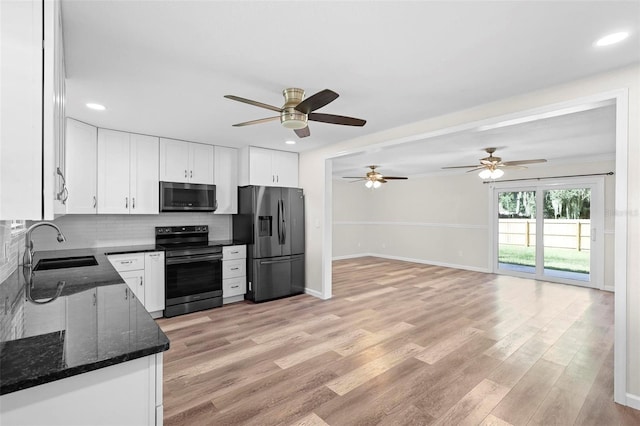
(399, 343)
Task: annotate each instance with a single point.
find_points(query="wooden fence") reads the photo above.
(558, 233)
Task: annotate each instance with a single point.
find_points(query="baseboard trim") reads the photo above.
(610, 288)
(352, 256)
(413, 260)
(633, 401)
(315, 293)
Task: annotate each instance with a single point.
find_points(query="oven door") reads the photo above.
(194, 277)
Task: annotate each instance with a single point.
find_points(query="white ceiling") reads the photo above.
(162, 67)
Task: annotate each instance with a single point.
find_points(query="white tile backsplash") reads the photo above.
(9, 249)
(116, 230)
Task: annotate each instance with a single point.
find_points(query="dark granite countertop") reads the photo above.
(94, 322)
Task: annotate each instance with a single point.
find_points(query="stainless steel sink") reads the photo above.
(65, 262)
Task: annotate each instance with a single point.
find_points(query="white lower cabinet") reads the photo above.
(144, 274)
(234, 273)
(129, 393)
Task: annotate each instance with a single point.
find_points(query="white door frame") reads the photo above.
(596, 184)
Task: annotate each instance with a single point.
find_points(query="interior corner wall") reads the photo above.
(313, 179)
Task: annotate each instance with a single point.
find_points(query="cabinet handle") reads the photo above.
(273, 178)
(191, 173)
(126, 262)
(126, 293)
(133, 202)
(234, 269)
(277, 178)
(234, 252)
(154, 255)
(185, 173)
(126, 202)
(95, 201)
(95, 299)
(141, 281)
(235, 286)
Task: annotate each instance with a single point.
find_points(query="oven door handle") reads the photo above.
(192, 259)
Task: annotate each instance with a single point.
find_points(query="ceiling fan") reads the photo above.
(296, 111)
(373, 178)
(491, 167)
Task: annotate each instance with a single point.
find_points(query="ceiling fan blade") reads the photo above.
(517, 163)
(254, 103)
(476, 169)
(394, 177)
(262, 120)
(503, 166)
(357, 180)
(336, 119)
(460, 167)
(303, 133)
(317, 101)
(354, 177)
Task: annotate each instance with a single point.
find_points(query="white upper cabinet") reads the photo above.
(127, 173)
(182, 161)
(31, 102)
(113, 171)
(260, 166)
(80, 171)
(143, 171)
(226, 179)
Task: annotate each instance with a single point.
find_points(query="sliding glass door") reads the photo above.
(550, 231)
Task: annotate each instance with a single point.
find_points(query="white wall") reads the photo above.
(313, 168)
(442, 219)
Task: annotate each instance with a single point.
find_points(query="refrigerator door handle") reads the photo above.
(278, 220)
(284, 224)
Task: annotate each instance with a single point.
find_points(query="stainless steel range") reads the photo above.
(193, 269)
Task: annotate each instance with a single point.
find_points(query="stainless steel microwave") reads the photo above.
(182, 197)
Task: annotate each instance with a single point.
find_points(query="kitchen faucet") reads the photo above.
(27, 260)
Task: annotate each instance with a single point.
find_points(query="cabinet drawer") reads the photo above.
(234, 252)
(234, 286)
(127, 262)
(234, 268)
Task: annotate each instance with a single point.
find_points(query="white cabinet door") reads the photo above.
(174, 160)
(135, 281)
(21, 112)
(81, 163)
(113, 171)
(144, 180)
(260, 170)
(226, 179)
(154, 281)
(200, 163)
(285, 168)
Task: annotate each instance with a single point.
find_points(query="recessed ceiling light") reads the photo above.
(290, 142)
(97, 107)
(611, 39)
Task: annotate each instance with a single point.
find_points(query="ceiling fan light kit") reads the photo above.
(297, 111)
(491, 167)
(374, 179)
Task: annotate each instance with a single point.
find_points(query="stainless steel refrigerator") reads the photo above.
(270, 221)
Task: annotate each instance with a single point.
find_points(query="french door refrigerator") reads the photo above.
(270, 221)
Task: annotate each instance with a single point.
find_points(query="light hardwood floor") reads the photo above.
(399, 343)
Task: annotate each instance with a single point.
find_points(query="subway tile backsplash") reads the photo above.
(116, 230)
(9, 249)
